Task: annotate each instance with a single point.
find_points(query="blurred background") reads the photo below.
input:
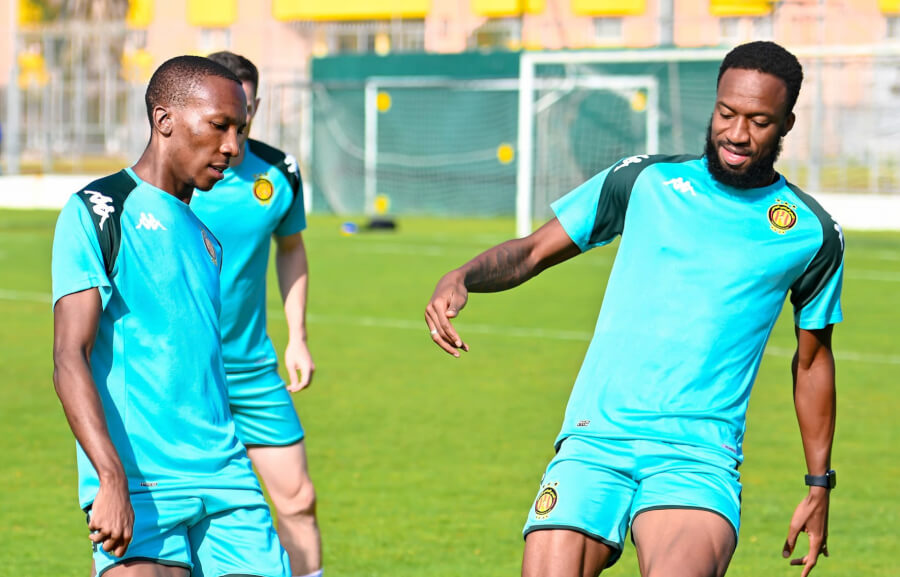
(426, 106)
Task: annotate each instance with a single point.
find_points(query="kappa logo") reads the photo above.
(102, 206)
(631, 160)
(840, 232)
(291, 163)
(681, 185)
(149, 222)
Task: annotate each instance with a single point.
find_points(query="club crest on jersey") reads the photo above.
(210, 247)
(263, 189)
(546, 501)
(782, 216)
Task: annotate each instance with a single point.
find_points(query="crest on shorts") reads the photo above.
(546, 500)
(782, 216)
(210, 247)
(263, 189)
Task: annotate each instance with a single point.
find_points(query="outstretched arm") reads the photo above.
(814, 400)
(293, 279)
(75, 321)
(499, 268)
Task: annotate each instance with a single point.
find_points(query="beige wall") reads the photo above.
(283, 49)
(6, 51)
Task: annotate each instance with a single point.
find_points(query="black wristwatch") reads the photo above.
(828, 480)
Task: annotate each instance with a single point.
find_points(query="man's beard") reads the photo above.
(757, 175)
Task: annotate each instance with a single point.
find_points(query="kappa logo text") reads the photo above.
(291, 163)
(681, 185)
(102, 206)
(149, 222)
(631, 160)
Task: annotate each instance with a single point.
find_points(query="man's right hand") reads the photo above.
(112, 518)
(450, 296)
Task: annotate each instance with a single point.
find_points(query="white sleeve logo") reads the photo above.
(291, 164)
(631, 160)
(840, 232)
(102, 206)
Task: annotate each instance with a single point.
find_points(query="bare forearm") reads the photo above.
(500, 268)
(84, 411)
(293, 280)
(814, 401)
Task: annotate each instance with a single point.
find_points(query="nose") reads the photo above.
(230, 143)
(739, 130)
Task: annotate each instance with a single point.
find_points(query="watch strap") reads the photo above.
(828, 480)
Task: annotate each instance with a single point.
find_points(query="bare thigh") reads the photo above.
(683, 542)
(284, 472)
(145, 569)
(563, 553)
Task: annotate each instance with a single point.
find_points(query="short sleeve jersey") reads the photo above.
(700, 277)
(157, 359)
(259, 198)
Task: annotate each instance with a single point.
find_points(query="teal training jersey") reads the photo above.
(700, 277)
(260, 197)
(157, 358)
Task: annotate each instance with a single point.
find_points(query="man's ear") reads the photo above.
(252, 113)
(788, 124)
(162, 121)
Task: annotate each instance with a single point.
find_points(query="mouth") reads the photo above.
(733, 158)
(218, 170)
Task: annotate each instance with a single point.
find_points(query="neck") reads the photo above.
(153, 169)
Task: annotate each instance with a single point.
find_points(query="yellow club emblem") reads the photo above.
(782, 216)
(263, 190)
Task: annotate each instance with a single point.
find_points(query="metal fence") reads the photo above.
(78, 107)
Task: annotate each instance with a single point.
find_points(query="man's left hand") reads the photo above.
(299, 364)
(810, 517)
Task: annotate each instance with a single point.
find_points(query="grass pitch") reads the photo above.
(425, 464)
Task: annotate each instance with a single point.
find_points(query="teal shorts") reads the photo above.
(263, 410)
(209, 532)
(598, 486)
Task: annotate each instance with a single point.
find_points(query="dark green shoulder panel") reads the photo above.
(104, 199)
(616, 192)
(285, 163)
(827, 261)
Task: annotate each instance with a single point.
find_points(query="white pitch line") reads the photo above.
(32, 297)
(873, 275)
(538, 333)
(517, 332)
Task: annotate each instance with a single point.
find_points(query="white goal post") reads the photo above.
(530, 106)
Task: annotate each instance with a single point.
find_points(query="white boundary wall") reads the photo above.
(853, 211)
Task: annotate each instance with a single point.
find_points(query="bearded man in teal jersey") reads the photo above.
(711, 246)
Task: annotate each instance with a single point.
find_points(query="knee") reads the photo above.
(300, 504)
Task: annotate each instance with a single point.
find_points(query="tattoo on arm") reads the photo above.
(503, 267)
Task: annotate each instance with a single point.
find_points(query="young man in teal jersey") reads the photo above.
(711, 246)
(166, 485)
(260, 199)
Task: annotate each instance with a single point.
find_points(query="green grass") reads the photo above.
(427, 465)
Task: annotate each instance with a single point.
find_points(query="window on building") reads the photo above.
(379, 36)
(497, 34)
(735, 30)
(893, 27)
(730, 30)
(608, 31)
(763, 28)
(214, 39)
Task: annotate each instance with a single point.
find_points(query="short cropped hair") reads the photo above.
(177, 78)
(240, 66)
(769, 58)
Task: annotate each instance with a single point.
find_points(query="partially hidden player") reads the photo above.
(710, 248)
(166, 484)
(260, 199)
